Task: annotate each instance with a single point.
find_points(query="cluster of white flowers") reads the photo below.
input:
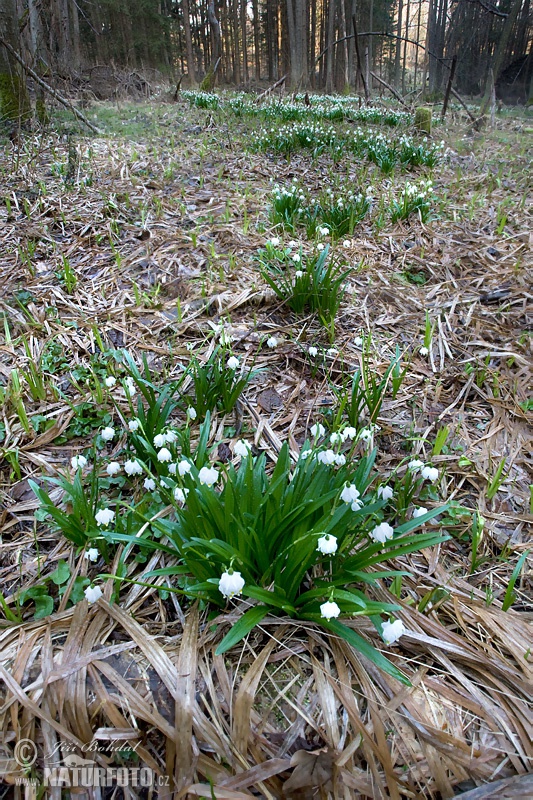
(427, 472)
(350, 495)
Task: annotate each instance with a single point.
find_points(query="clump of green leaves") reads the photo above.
(415, 198)
(309, 284)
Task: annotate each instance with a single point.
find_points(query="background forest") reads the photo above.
(312, 43)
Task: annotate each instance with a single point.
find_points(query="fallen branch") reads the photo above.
(458, 97)
(393, 91)
(270, 89)
(48, 88)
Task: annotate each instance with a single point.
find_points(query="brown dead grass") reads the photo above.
(292, 712)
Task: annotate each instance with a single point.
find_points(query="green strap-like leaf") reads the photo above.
(362, 646)
(241, 628)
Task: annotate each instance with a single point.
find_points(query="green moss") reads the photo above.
(42, 112)
(423, 119)
(208, 82)
(14, 102)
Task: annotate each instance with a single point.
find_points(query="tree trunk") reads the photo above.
(257, 53)
(398, 53)
(215, 30)
(500, 52)
(14, 103)
(329, 44)
(188, 42)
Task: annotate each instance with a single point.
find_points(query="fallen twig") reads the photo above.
(47, 88)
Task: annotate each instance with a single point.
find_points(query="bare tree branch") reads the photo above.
(47, 88)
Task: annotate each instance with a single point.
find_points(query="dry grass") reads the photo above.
(292, 712)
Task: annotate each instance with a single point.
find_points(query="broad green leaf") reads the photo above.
(44, 606)
(61, 574)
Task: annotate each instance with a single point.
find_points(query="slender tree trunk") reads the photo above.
(188, 42)
(215, 30)
(245, 75)
(76, 51)
(257, 50)
(407, 21)
(329, 43)
(14, 104)
(398, 52)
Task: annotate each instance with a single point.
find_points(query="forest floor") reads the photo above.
(146, 239)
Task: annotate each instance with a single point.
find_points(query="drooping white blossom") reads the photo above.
(108, 434)
(318, 429)
(385, 492)
(78, 462)
(231, 583)
(329, 610)
(93, 593)
(327, 544)
(430, 473)
(184, 467)
(350, 493)
(391, 631)
(381, 533)
(208, 476)
(164, 455)
(132, 467)
(242, 448)
(180, 495)
(104, 516)
(419, 512)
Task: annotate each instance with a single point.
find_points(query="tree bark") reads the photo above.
(14, 103)
(500, 52)
(188, 42)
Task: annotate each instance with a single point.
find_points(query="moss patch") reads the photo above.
(14, 102)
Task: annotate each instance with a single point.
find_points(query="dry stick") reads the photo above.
(48, 88)
(394, 92)
(448, 88)
(458, 97)
(270, 89)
